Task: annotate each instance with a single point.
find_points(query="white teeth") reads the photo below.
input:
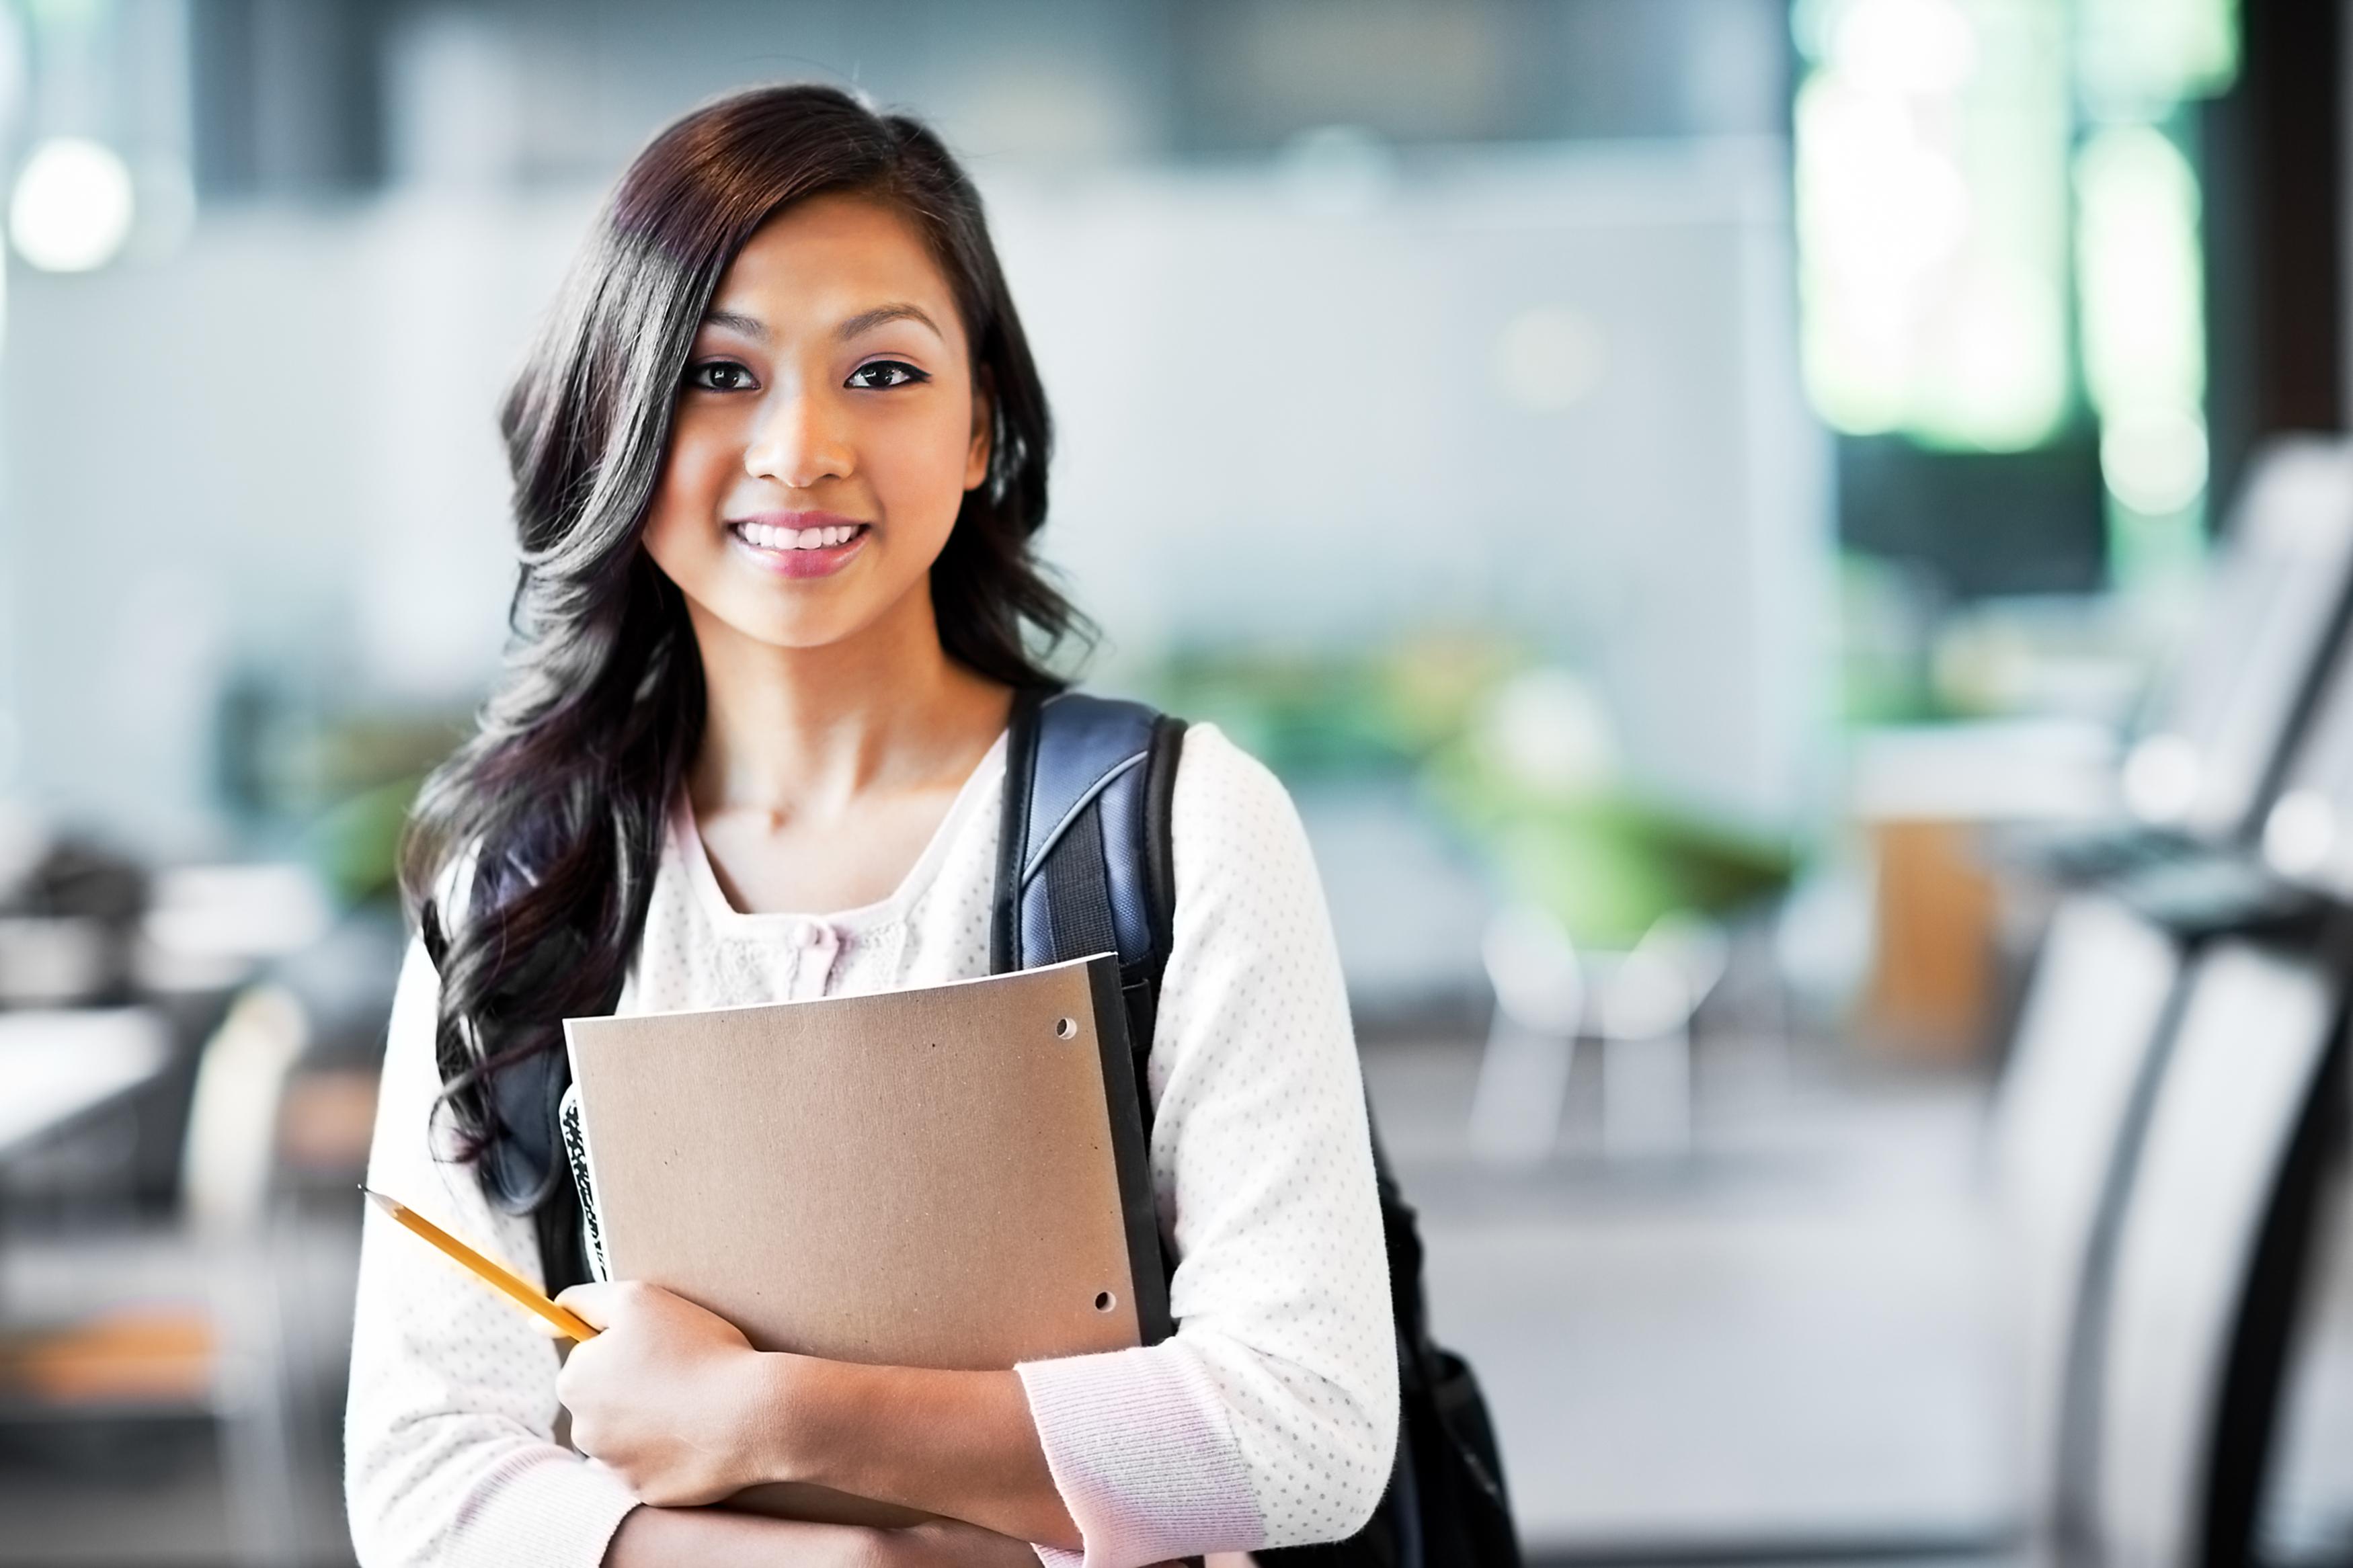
(767, 537)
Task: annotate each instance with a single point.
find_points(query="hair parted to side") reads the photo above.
(531, 852)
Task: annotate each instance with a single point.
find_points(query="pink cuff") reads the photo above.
(1140, 1449)
(538, 1507)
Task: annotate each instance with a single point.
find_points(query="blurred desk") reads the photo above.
(1923, 793)
(60, 1067)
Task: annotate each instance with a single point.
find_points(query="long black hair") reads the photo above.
(531, 852)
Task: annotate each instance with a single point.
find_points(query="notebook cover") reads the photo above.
(951, 1176)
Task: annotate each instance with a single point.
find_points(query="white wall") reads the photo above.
(1280, 414)
(275, 449)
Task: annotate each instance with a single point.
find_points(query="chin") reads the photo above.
(795, 636)
(788, 614)
(797, 631)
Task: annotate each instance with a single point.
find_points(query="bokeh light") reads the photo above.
(72, 206)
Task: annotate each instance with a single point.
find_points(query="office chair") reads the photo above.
(1639, 1004)
(2209, 1259)
(2224, 714)
(2209, 1254)
(2105, 983)
(2125, 960)
(1540, 1000)
(212, 1346)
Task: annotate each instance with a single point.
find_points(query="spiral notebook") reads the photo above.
(951, 1176)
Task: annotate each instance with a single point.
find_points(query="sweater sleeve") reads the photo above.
(450, 1453)
(1269, 1418)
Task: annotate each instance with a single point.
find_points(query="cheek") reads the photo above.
(921, 480)
(694, 478)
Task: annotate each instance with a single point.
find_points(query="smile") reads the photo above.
(817, 551)
(767, 536)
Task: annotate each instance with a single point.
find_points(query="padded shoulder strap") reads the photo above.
(1085, 860)
(1085, 866)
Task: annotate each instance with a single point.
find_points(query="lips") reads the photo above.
(799, 544)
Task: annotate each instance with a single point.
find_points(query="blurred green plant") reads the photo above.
(307, 765)
(1515, 757)
(354, 844)
(1309, 712)
(1887, 621)
(366, 766)
(1604, 862)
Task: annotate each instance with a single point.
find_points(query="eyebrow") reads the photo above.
(864, 322)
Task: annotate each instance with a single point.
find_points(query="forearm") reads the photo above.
(714, 1538)
(960, 1444)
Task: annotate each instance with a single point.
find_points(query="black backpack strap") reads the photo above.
(1086, 866)
(1085, 857)
(526, 1172)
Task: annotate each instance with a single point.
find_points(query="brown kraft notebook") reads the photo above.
(952, 1176)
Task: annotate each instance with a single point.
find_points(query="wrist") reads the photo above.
(769, 1413)
(797, 1404)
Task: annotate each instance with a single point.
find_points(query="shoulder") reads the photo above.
(1215, 777)
(1230, 816)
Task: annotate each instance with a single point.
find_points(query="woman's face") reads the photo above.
(825, 431)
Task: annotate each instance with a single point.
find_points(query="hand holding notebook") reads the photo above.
(949, 1178)
(670, 1394)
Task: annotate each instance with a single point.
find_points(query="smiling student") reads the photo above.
(779, 455)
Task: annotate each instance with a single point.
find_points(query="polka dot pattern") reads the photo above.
(1268, 1420)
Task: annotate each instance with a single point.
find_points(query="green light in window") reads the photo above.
(1932, 217)
(2136, 58)
(2141, 277)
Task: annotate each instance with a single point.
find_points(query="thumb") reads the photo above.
(592, 1303)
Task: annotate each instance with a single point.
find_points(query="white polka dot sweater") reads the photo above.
(1269, 1419)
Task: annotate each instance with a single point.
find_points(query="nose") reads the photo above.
(797, 442)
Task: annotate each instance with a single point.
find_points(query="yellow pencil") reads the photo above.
(516, 1288)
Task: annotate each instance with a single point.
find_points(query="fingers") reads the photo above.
(592, 1303)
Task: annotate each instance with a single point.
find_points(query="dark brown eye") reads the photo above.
(886, 372)
(719, 375)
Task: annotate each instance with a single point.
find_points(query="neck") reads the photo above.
(802, 730)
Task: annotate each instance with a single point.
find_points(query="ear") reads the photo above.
(984, 429)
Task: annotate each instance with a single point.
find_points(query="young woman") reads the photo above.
(779, 456)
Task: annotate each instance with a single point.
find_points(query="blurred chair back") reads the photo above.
(2220, 721)
(226, 1179)
(222, 1354)
(231, 1151)
(2307, 830)
(2092, 1028)
(2207, 1258)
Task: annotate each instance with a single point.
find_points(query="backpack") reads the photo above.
(1084, 866)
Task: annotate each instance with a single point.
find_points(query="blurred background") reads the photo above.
(1794, 557)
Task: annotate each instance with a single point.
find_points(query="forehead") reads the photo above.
(829, 257)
